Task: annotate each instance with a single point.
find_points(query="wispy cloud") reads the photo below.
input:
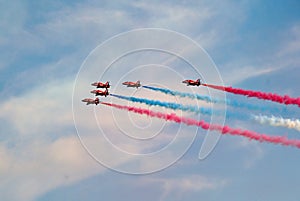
(242, 73)
(179, 186)
(41, 109)
(292, 46)
(284, 57)
(255, 151)
(41, 166)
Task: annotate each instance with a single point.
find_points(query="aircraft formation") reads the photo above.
(289, 123)
(97, 92)
(137, 84)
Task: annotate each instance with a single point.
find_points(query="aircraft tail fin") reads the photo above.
(199, 80)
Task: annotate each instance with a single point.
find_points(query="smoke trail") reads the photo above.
(170, 105)
(273, 121)
(211, 100)
(260, 95)
(177, 106)
(278, 121)
(222, 129)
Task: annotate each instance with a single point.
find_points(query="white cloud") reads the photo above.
(36, 163)
(177, 187)
(42, 166)
(40, 109)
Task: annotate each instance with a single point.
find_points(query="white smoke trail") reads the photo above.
(278, 121)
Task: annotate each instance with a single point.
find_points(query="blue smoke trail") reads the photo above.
(176, 106)
(209, 99)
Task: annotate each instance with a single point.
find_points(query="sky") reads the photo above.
(50, 147)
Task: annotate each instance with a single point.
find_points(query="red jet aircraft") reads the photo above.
(100, 93)
(192, 82)
(136, 84)
(101, 85)
(89, 101)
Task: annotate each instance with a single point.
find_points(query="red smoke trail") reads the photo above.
(260, 95)
(223, 129)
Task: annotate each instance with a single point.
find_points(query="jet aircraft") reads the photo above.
(101, 85)
(100, 93)
(136, 84)
(192, 82)
(89, 101)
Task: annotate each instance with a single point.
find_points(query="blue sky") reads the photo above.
(254, 45)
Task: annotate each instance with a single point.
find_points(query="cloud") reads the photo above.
(9, 23)
(255, 151)
(246, 72)
(41, 166)
(86, 23)
(285, 56)
(292, 46)
(177, 187)
(184, 16)
(13, 16)
(41, 109)
(45, 152)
